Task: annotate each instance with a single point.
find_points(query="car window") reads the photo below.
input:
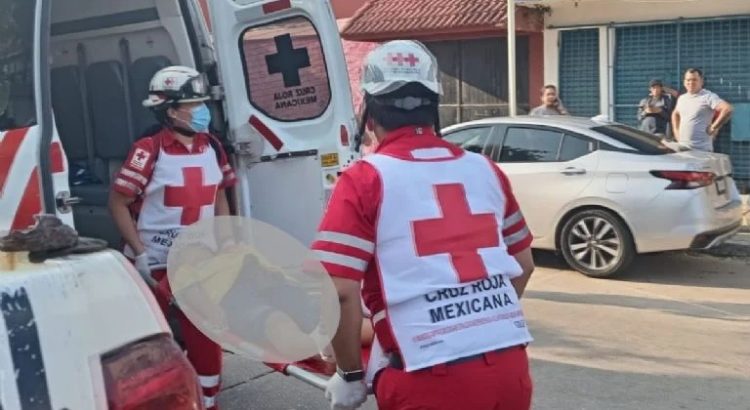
(530, 145)
(574, 147)
(640, 141)
(470, 139)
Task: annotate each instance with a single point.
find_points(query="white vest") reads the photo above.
(429, 234)
(182, 191)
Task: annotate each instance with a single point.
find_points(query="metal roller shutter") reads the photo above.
(642, 53)
(579, 71)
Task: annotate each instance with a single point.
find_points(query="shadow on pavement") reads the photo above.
(687, 269)
(562, 386)
(672, 268)
(549, 259)
(704, 310)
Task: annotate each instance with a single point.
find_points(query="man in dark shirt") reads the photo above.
(655, 111)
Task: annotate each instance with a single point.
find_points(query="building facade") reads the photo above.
(468, 38)
(603, 53)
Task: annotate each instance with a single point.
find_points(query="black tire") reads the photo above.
(596, 243)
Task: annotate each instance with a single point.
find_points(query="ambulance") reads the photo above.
(82, 331)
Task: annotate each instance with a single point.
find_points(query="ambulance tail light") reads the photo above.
(151, 374)
(344, 136)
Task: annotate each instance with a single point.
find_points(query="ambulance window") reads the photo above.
(285, 70)
(17, 104)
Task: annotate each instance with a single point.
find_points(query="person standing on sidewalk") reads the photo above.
(655, 111)
(551, 104)
(694, 122)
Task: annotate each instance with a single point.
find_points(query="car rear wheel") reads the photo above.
(596, 243)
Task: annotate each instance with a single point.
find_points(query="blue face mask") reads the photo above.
(201, 117)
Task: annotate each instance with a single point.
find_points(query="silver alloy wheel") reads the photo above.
(595, 244)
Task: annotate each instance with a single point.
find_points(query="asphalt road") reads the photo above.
(673, 333)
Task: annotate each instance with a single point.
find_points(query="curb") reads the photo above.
(736, 247)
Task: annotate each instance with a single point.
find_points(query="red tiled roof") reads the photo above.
(391, 19)
(355, 53)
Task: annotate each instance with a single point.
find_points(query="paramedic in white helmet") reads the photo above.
(431, 237)
(173, 177)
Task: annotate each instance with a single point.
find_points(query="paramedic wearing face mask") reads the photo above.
(432, 239)
(174, 177)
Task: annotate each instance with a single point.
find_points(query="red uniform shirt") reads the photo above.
(349, 225)
(136, 171)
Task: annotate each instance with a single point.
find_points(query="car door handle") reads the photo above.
(573, 171)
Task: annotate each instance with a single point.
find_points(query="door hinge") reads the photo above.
(217, 92)
(65, 202)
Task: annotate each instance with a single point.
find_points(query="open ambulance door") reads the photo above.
(33, 168)
(288, 106)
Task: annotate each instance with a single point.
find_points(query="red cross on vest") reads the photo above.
(458, 233)
(191, 196)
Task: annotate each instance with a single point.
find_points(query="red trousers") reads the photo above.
(493, 381)
(202, 352)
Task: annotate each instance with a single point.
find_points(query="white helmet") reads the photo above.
(398, 63)
(176, 84)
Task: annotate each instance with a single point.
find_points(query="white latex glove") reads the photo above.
(141, 265)
(345, 395)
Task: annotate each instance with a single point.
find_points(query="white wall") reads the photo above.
(551, 56)
(594, 12)
(604, 77)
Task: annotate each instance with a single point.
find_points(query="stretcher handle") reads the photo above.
(313, 379)
(161, 266)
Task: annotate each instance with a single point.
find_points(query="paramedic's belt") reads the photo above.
(394, 359)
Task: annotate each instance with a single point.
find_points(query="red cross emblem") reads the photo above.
(140, 156)
(191, 196)
(168, 82)
(411, 59)
(399, 59)
(458, 233)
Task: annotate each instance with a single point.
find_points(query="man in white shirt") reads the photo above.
(693, 120)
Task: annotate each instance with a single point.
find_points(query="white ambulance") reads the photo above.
(83, 331)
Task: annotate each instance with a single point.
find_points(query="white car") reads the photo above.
(601, 192)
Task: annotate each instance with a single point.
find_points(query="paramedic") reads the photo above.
(172, 179)
(431, 237)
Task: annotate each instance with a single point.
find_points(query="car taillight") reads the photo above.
(686, 179)
(151, 374)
